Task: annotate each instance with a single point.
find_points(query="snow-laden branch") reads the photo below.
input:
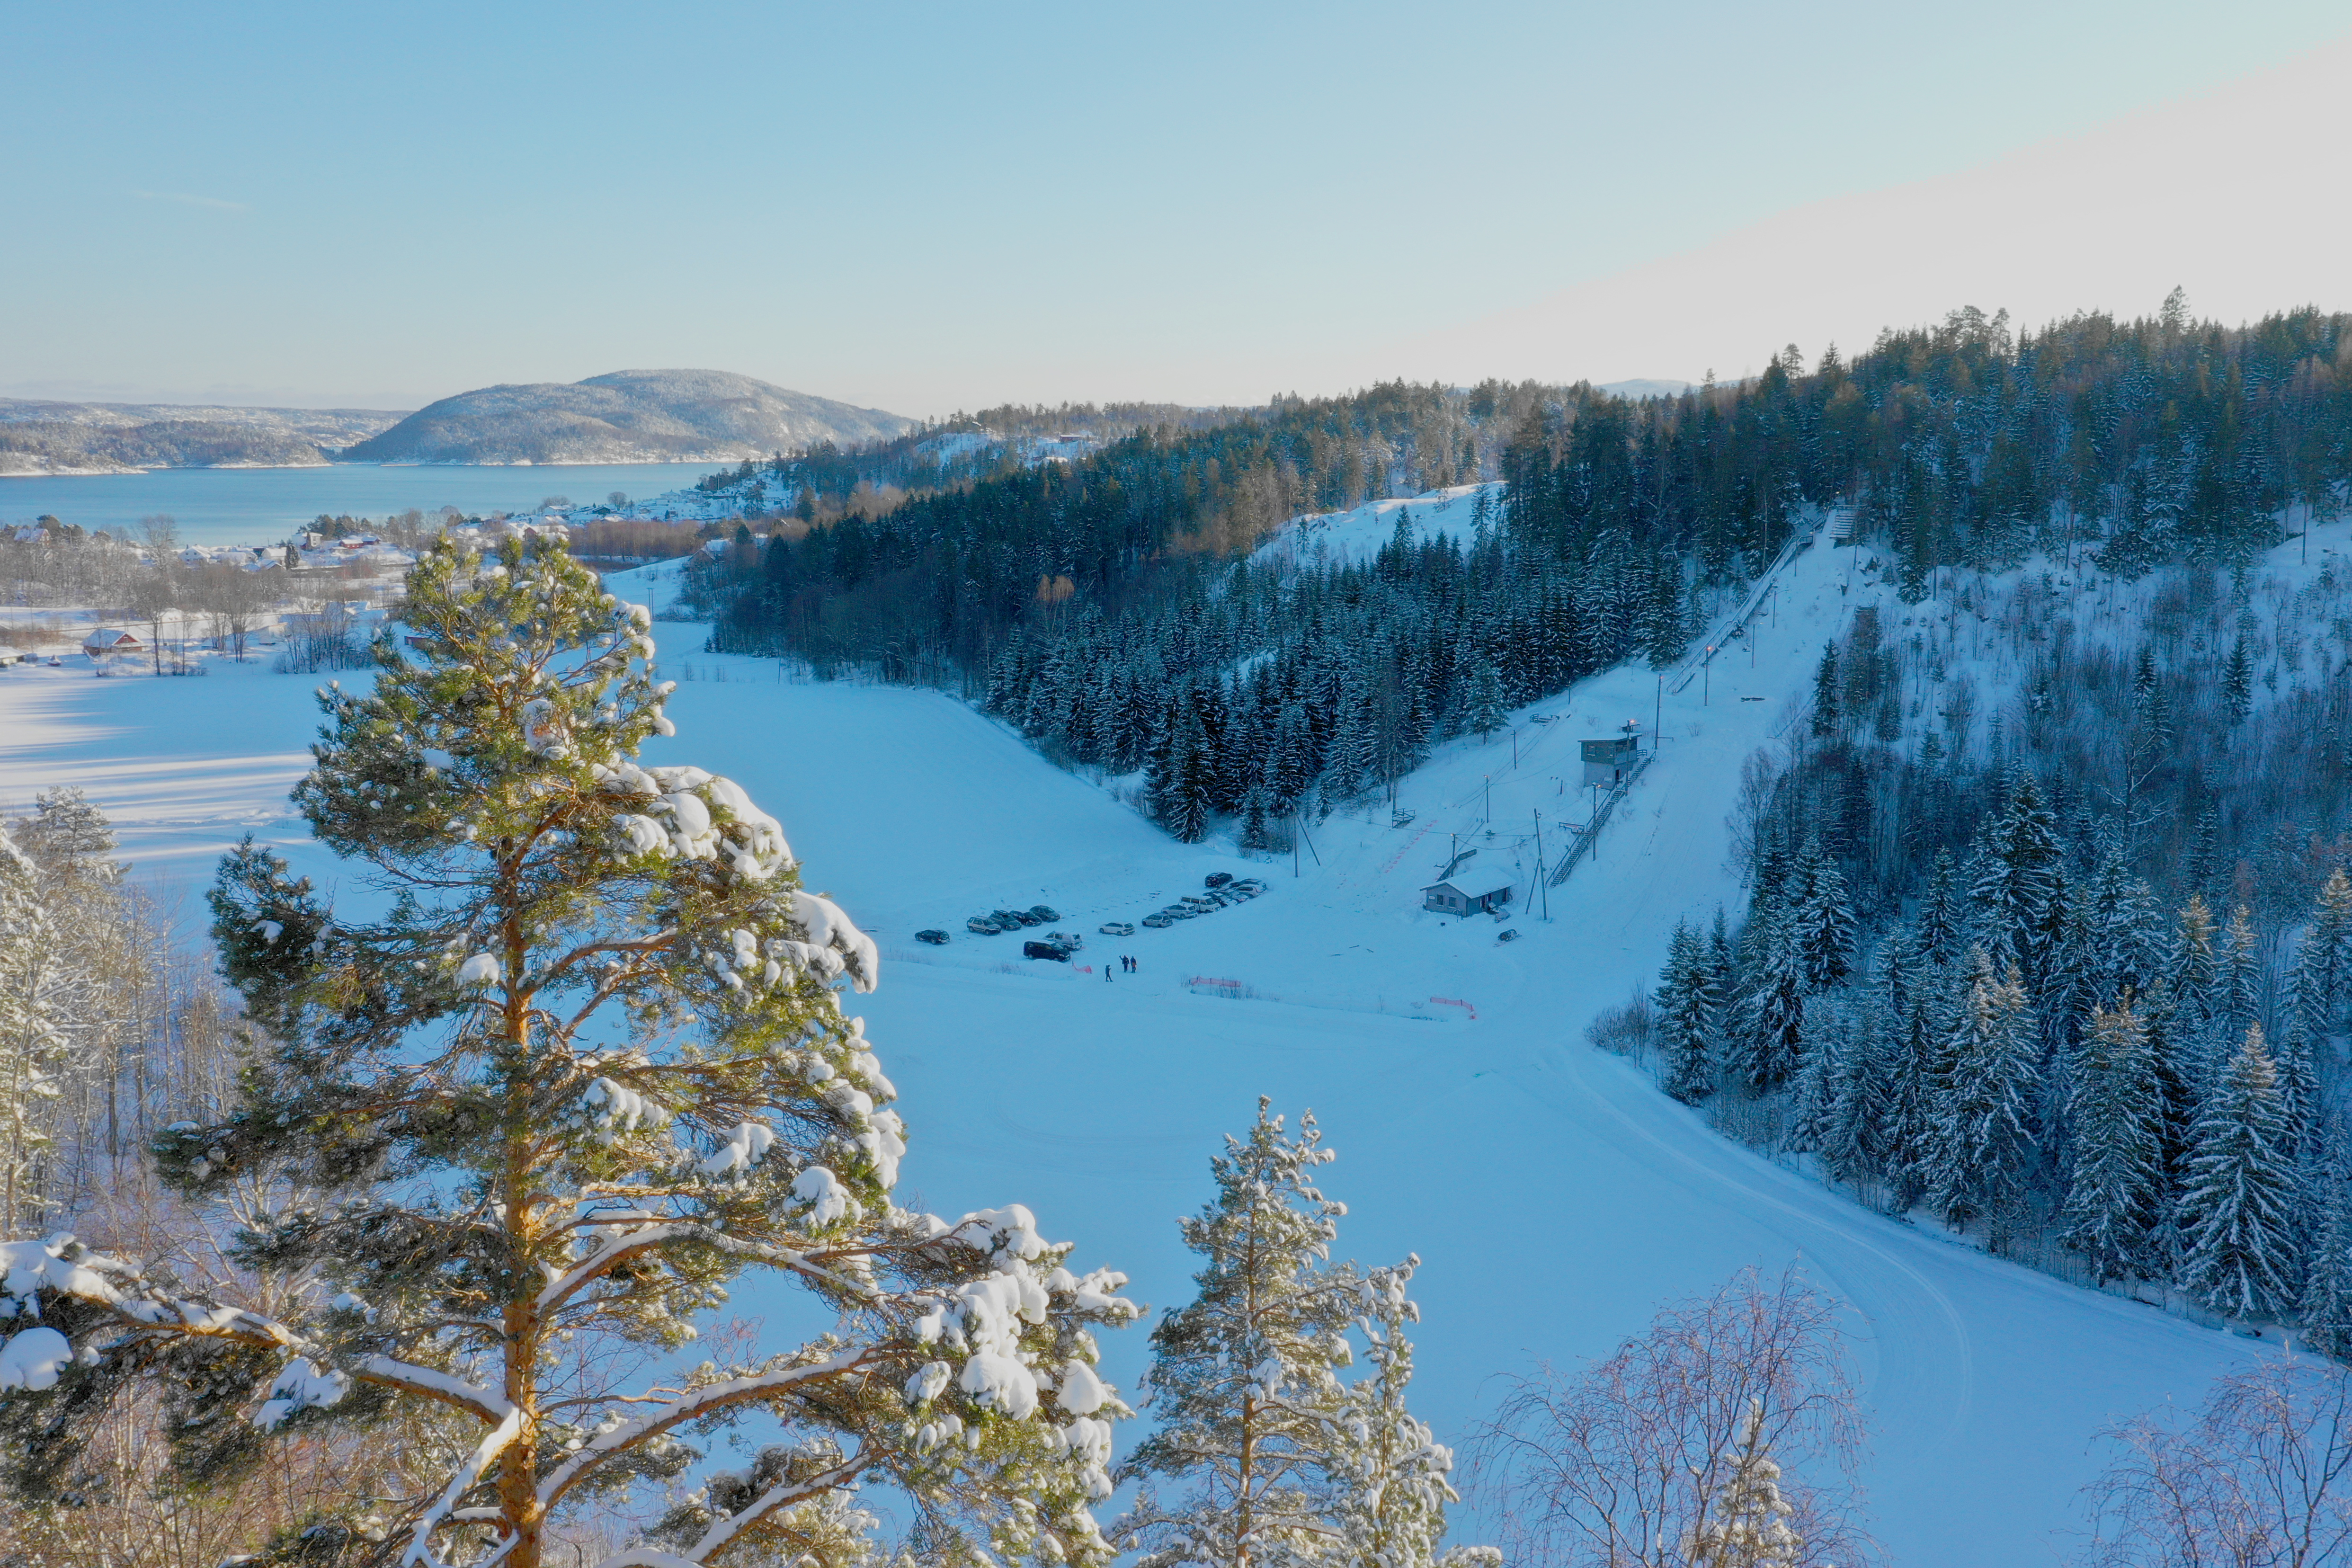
(616, 1249)
(27, 1266)
(470, 1474)
(626, 1434)
(433, 1384)
(720, 1534)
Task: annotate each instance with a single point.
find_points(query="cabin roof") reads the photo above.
(1474, 888)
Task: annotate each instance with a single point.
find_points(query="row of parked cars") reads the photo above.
(1221, 889)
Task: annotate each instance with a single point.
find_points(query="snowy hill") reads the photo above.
(50, 437)
(627, 416)
(1556, 1195)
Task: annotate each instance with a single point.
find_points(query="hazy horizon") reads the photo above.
(291, 209)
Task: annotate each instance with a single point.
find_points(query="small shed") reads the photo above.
(107, 642)
(1481, 893)
(1606, 761)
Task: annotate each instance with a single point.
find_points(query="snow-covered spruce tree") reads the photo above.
(1389, 1468)
(1281, 1461)
(2327, 1307)
(2322, 969)
(32, 989)
(1748, 1525)
(2237, 1206)
(2111, 1212)
(1762, 1046)
(586, 1067)
(1821, 916)
(1685, 1004)
(1988, 1122)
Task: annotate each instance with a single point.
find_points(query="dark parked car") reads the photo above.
(935, 937)
(1008, 919)
(1046, 914)
(1051, 949)
(1216, 879)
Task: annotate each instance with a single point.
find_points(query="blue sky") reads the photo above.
(930, 206)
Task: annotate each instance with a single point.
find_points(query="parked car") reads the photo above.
(1216, 879)
(935, 937)
(1158, 922)
(981, 925)
(1046, 913)
(1051, 949)
(1116, 928)
(1008, 919)
(1068, 940)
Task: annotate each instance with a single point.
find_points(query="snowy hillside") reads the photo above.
(1554, 1193)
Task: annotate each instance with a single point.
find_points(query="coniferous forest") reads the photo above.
(1113, 607)
(2069, 972)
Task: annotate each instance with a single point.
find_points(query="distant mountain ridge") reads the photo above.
(627, 416)
(45, 436)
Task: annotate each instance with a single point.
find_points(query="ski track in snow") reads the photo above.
(1555, 1194)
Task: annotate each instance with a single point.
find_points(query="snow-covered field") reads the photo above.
(1555, 1195)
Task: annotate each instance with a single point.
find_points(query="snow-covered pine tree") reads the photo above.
(1763, 1047)
(2111, 1211)
(2195, 965)
(2326, 1306)
(1686, 1005)
(1245, 1379)
(1903, 1136)
(1988, 1122)
(2239, 1001)
(1390, 1472)
(2322, 969)
(34, 986)
(1748, 1527)
(1180, 775)
(2015, 876)
(1939, 910)
(1489, 711)
(2237, 1206)
(585, 1068)
(1822, 913)
(2238, 683)
(1822, 1058)
(1847, 1139)
(1828, 688)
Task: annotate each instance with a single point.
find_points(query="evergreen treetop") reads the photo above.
(584, 1066)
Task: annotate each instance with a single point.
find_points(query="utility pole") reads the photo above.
(1707, 675)
(1658, 725)
(1541, 880)
(1488, 779)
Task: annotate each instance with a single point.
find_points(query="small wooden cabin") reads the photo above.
(1607, 760)
(107, 642)
(1480, 894)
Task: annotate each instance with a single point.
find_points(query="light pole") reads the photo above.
(1706, 675)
